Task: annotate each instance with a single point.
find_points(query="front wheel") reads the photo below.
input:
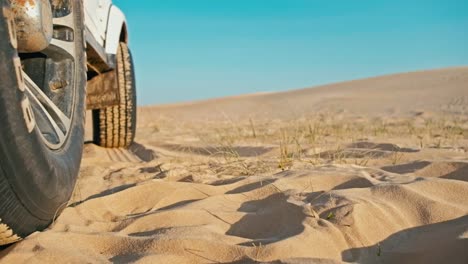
(41, 122)
(114, 127)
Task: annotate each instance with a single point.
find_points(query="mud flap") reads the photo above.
(102, 91)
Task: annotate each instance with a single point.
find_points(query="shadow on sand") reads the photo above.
(444, 242)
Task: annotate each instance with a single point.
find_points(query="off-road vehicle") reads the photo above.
(57, 59)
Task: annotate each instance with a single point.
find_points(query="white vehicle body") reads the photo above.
(106, 27)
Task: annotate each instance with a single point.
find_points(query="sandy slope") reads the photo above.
(436, 90)
(370, 171)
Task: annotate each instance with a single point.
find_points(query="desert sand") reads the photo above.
(367, 171)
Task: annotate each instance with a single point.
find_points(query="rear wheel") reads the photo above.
(41, 122)
(114, 127)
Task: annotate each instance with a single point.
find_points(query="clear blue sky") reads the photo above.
(196, 49)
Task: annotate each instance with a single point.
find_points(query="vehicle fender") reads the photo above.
(116, 30)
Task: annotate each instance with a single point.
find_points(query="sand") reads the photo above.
(368, 171)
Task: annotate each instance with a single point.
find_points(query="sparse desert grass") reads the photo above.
(321, 139)
(396, 157)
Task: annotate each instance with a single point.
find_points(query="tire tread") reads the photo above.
(116, 125)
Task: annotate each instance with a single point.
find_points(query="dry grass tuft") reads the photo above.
(324, 138)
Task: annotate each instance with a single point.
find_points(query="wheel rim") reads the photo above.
(50, 80)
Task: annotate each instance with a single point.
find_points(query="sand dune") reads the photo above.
(369, 171)
(441, 90)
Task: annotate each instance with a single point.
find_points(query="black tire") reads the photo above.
(114, 127)
(38, 172)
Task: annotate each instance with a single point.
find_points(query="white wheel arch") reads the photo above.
(116, 26)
